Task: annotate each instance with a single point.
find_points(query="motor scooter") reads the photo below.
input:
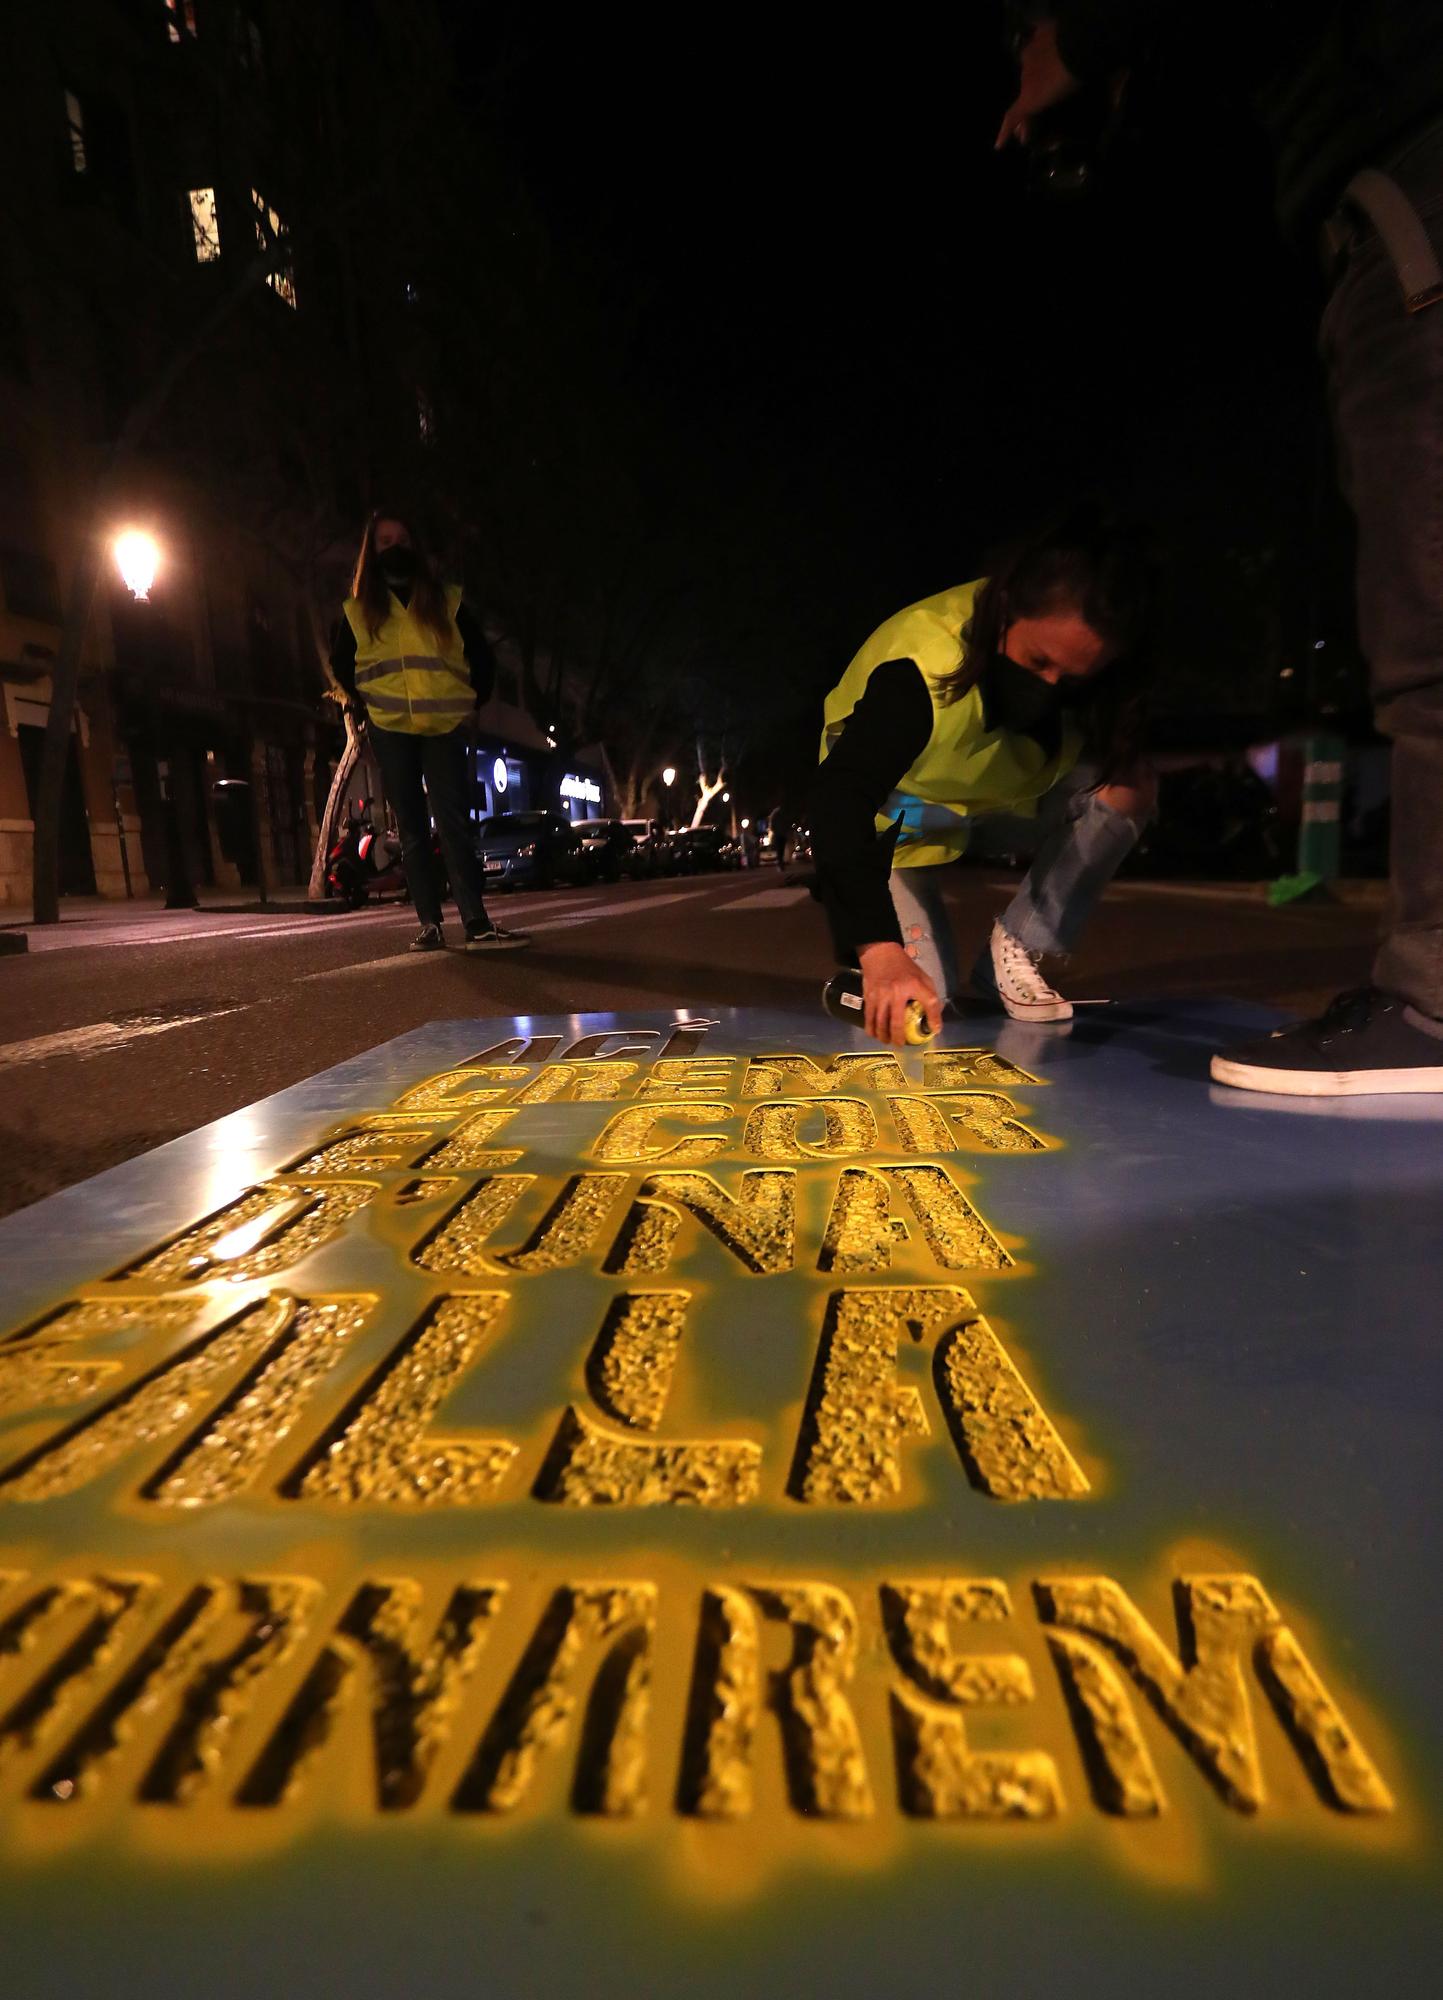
(362, 862)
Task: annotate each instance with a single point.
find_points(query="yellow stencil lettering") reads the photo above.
(688, 1076)
(273, 1226)
(293, 1350)
(381, 1453)
(826, 1770)
(83, 1625)
(963, 1069)
(849, 1128)
(38, 1369)
(757, 1224)
(382, 1141)
(459, 1243)
(469, 1149)
(939, 1775)
(534, 1716)
(725, 1707)
(570, 1227)
(415, 1687)
(459, 1089)
(583, 1082)
(861, 1231)
(628, 1137)
(1222, 1621)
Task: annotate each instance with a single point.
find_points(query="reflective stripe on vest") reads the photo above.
(965, 769)
(406, 684)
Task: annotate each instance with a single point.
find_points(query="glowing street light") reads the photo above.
(745, 824)
(137, 557)
(726, 798)
(668, 776)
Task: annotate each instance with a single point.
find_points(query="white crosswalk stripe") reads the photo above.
(768, 899)
(98, 1038)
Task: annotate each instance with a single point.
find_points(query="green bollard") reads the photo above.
(1320, 833)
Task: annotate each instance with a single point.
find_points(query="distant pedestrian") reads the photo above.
(413, 657)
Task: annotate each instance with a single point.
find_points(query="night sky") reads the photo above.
(863, 323)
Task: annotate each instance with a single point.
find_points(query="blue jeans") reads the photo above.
(1079, 844)
(427, 777)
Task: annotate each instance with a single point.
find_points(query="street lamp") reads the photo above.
(668, 776)
(137, 557)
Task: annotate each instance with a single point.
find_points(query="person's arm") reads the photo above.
(881, 738)
(480, 660)
(343, 656)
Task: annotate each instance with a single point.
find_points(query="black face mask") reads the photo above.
(398, 564)
(1021, 702)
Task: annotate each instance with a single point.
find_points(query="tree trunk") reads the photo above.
(64, 683)
(335, 799)
(709, 786)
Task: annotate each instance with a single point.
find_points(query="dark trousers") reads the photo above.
(1385, 378)
(426, 778)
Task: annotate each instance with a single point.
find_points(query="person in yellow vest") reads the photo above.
(413, 656)
(1016, 700)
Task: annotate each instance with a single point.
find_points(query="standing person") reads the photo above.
(414, 657)
(1015, 698)
(1351, 94)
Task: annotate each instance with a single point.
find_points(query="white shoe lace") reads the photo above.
(1018, 966)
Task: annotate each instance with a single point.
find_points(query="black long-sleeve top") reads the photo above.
(880, 741)
(480, 661)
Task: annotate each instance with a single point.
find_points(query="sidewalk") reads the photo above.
(141, 919)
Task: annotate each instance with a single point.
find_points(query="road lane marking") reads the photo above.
(561, 923)
(768, 899)
(98, 1038)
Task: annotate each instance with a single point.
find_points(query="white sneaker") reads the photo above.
(1007, 971)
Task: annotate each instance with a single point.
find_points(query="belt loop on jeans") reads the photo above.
(1400, 226)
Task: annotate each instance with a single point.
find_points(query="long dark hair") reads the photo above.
(372, 592)
(1088, 562)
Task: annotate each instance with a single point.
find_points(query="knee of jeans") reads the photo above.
(1133, 805)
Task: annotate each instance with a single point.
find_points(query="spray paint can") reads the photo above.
(842, 998)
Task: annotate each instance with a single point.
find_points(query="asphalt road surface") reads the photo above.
(117, 1035)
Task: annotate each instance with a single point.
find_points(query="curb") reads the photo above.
(13, 943)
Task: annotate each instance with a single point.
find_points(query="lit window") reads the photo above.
(180, 20)
(270, 230)
(75, 120)
(205, 224)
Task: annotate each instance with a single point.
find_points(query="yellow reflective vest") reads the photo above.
(407, 678)
(966, 769)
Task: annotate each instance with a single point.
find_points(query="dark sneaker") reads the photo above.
(1364, 1045)
(428, 938)
(491, 937)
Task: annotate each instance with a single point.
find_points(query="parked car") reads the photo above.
(652, 852)
(608, 847)
(533, 850)
(698, 849)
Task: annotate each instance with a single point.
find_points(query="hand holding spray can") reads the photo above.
(842, 998)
